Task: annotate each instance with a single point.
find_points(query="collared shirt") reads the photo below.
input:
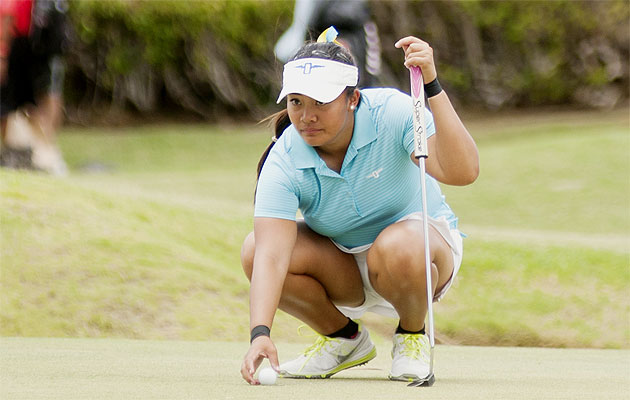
(377, 185)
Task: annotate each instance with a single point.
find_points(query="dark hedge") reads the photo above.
(214, 59)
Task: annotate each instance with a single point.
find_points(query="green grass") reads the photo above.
(566, 175)
(35, 368)
(87, 263)
(538, 296)
(147, 246)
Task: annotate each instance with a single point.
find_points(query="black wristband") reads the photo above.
(260, 330)
(432, 88)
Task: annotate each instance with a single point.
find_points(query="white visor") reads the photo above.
(317, 78)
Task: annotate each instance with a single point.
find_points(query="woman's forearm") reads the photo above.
(275, 239)
(264, 293)
(455, 158)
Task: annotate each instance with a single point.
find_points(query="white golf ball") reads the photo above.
(267, 376)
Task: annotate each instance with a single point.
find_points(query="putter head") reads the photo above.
(428, 381)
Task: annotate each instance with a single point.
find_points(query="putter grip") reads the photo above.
(419, 124)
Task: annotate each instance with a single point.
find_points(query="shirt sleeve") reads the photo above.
(276, 196)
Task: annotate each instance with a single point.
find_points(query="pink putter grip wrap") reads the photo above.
(416, 81)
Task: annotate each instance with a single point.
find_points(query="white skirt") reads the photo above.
(373, 301)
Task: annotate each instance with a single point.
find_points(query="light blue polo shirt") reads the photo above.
(377, 185)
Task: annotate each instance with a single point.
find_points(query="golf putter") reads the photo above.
(421, 153)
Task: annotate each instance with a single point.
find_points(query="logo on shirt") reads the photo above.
(308, 67)
(375, 174)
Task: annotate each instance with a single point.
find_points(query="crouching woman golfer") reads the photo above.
(344, 158)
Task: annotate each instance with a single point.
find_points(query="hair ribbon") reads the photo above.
(329, 36)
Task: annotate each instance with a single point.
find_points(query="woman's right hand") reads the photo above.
(418, 53)
(262, 347)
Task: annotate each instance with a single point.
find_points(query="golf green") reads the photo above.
(128, 369)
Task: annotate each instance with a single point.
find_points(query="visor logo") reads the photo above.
(306, 68)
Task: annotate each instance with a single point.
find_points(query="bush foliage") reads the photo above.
(215, 58)
(520, 53)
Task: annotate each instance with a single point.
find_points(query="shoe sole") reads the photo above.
(405, 378)
(355, 363)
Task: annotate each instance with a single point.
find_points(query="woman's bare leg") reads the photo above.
(319, 275)
(397, 272)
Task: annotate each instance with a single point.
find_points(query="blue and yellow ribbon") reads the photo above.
(329, 36)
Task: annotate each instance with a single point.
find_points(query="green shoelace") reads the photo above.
(318, 346)
(414, 347)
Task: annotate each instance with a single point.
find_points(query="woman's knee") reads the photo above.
(397, 255)
(396, 258)
(398, 246)
(247, 255)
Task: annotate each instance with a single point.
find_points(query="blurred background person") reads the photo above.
(33, 38)
(357, 32)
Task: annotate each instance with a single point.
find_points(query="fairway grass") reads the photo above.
(95, 369)
(142, 239)
(555, 173)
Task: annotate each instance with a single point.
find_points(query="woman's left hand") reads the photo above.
(262, 347)
(418, 53)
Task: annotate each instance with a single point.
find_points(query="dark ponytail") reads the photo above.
(279, 122)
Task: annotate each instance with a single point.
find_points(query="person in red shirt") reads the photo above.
(9, 29)
(32, 40)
